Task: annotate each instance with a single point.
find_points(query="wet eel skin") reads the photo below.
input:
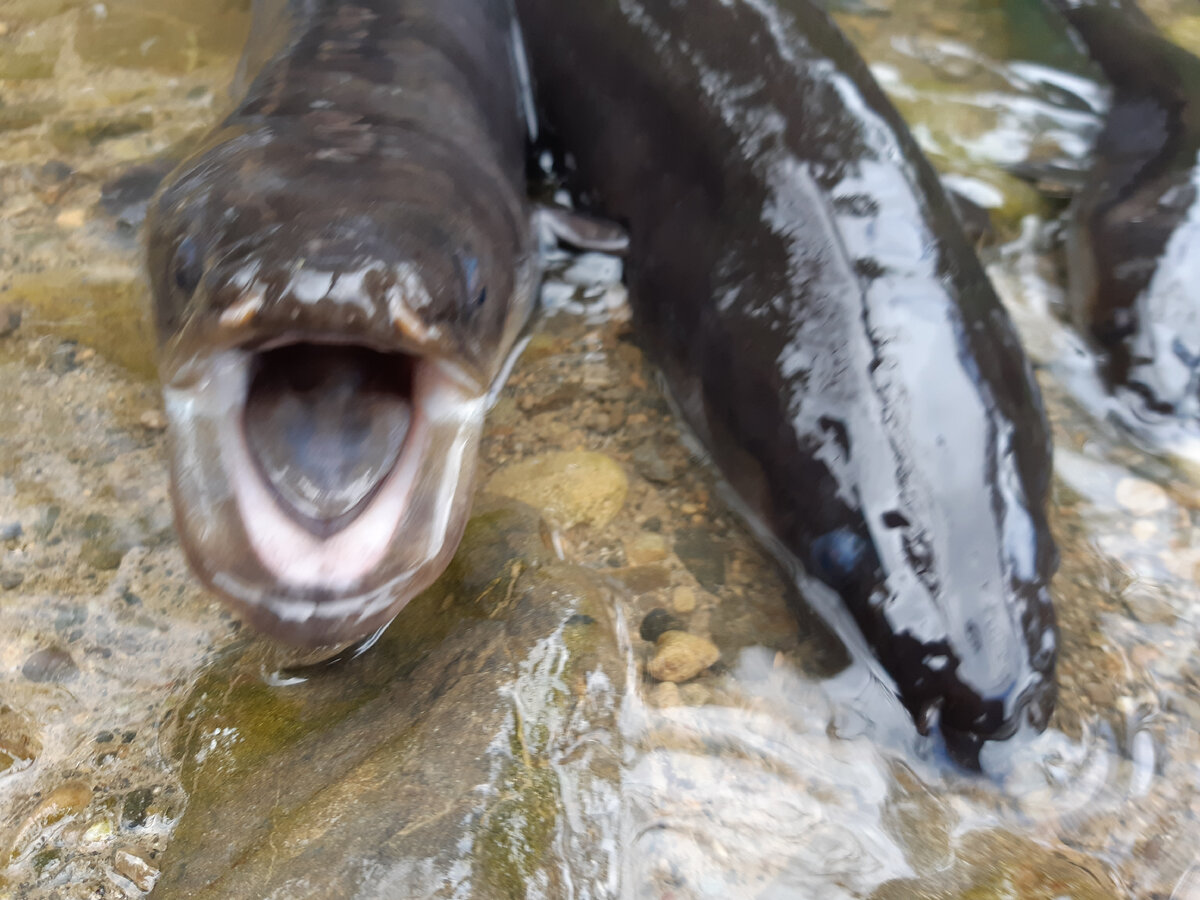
(798, 274)
(795, 269)
(1134, 241)
(350, 254)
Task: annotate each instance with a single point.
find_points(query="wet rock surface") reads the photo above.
(443, 762)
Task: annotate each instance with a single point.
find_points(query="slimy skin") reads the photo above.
(1134, 240)
(340, 274)
(796, 270)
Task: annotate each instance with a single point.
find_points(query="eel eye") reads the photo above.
(187, 266)
(837, 554)
(474, 288)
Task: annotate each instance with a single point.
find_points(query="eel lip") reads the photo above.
(260, 449)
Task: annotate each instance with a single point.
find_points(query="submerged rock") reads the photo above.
(571, 488)
(443, 762)
(680, 656)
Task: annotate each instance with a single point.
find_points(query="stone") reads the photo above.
(136, 869)
(665, 694)
(683, 599)
(644, 579)
(10, 320)
(1141, 497)
(646, 548)
(51, 664)
(656, 623)
(571, 488)
(71, 218)
(647, 459)
(680, 656)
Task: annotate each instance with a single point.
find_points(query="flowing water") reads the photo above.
(139, 727)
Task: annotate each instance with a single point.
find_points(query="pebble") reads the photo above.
(1141, 497)
(657, 623)
(153, 420)
(10, 580)
(569, 487)
(62, 358)
(65, 800)
(51, 664)
(644, 579)
(665, 694)
(1144, 531)
(683, 599)
(71, 218)
(695, 694)
(681, 656)
(135, 806)
(646, 548)
(10, 320)
(136, 869)
(647, 459)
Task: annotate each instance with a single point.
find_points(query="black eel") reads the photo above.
(1134, 237)
(797, 272)
(350, 253)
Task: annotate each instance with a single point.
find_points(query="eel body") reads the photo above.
(340, 273)
(797, 272)
(1134, 237)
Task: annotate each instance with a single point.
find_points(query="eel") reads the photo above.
(798, 274)
(340, 274)
(1133, 246)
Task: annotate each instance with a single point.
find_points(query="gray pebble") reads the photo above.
(51, 664)
(648, 461)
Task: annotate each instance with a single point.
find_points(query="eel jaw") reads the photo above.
(305, 581)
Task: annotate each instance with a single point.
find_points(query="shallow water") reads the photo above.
(772, 774)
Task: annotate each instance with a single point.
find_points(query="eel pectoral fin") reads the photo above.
(580, 230)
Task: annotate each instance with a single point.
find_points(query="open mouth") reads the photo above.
(320, 486)
(325, 425)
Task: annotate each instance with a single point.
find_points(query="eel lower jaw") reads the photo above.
(319, 580)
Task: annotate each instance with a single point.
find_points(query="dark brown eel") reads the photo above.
(1134, 241)
(797, 272)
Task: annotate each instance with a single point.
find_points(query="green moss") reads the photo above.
(26, 66)
(44, 859)
(111, 316)
(518, 831)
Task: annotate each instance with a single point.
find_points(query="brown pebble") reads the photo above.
(646, 548)
(1141, 497)
(136, 869)
(644, 579)
(71, 218)
(665, 694)
(683, 599)
(681, 656)
(153, 420)
(1100, 693)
